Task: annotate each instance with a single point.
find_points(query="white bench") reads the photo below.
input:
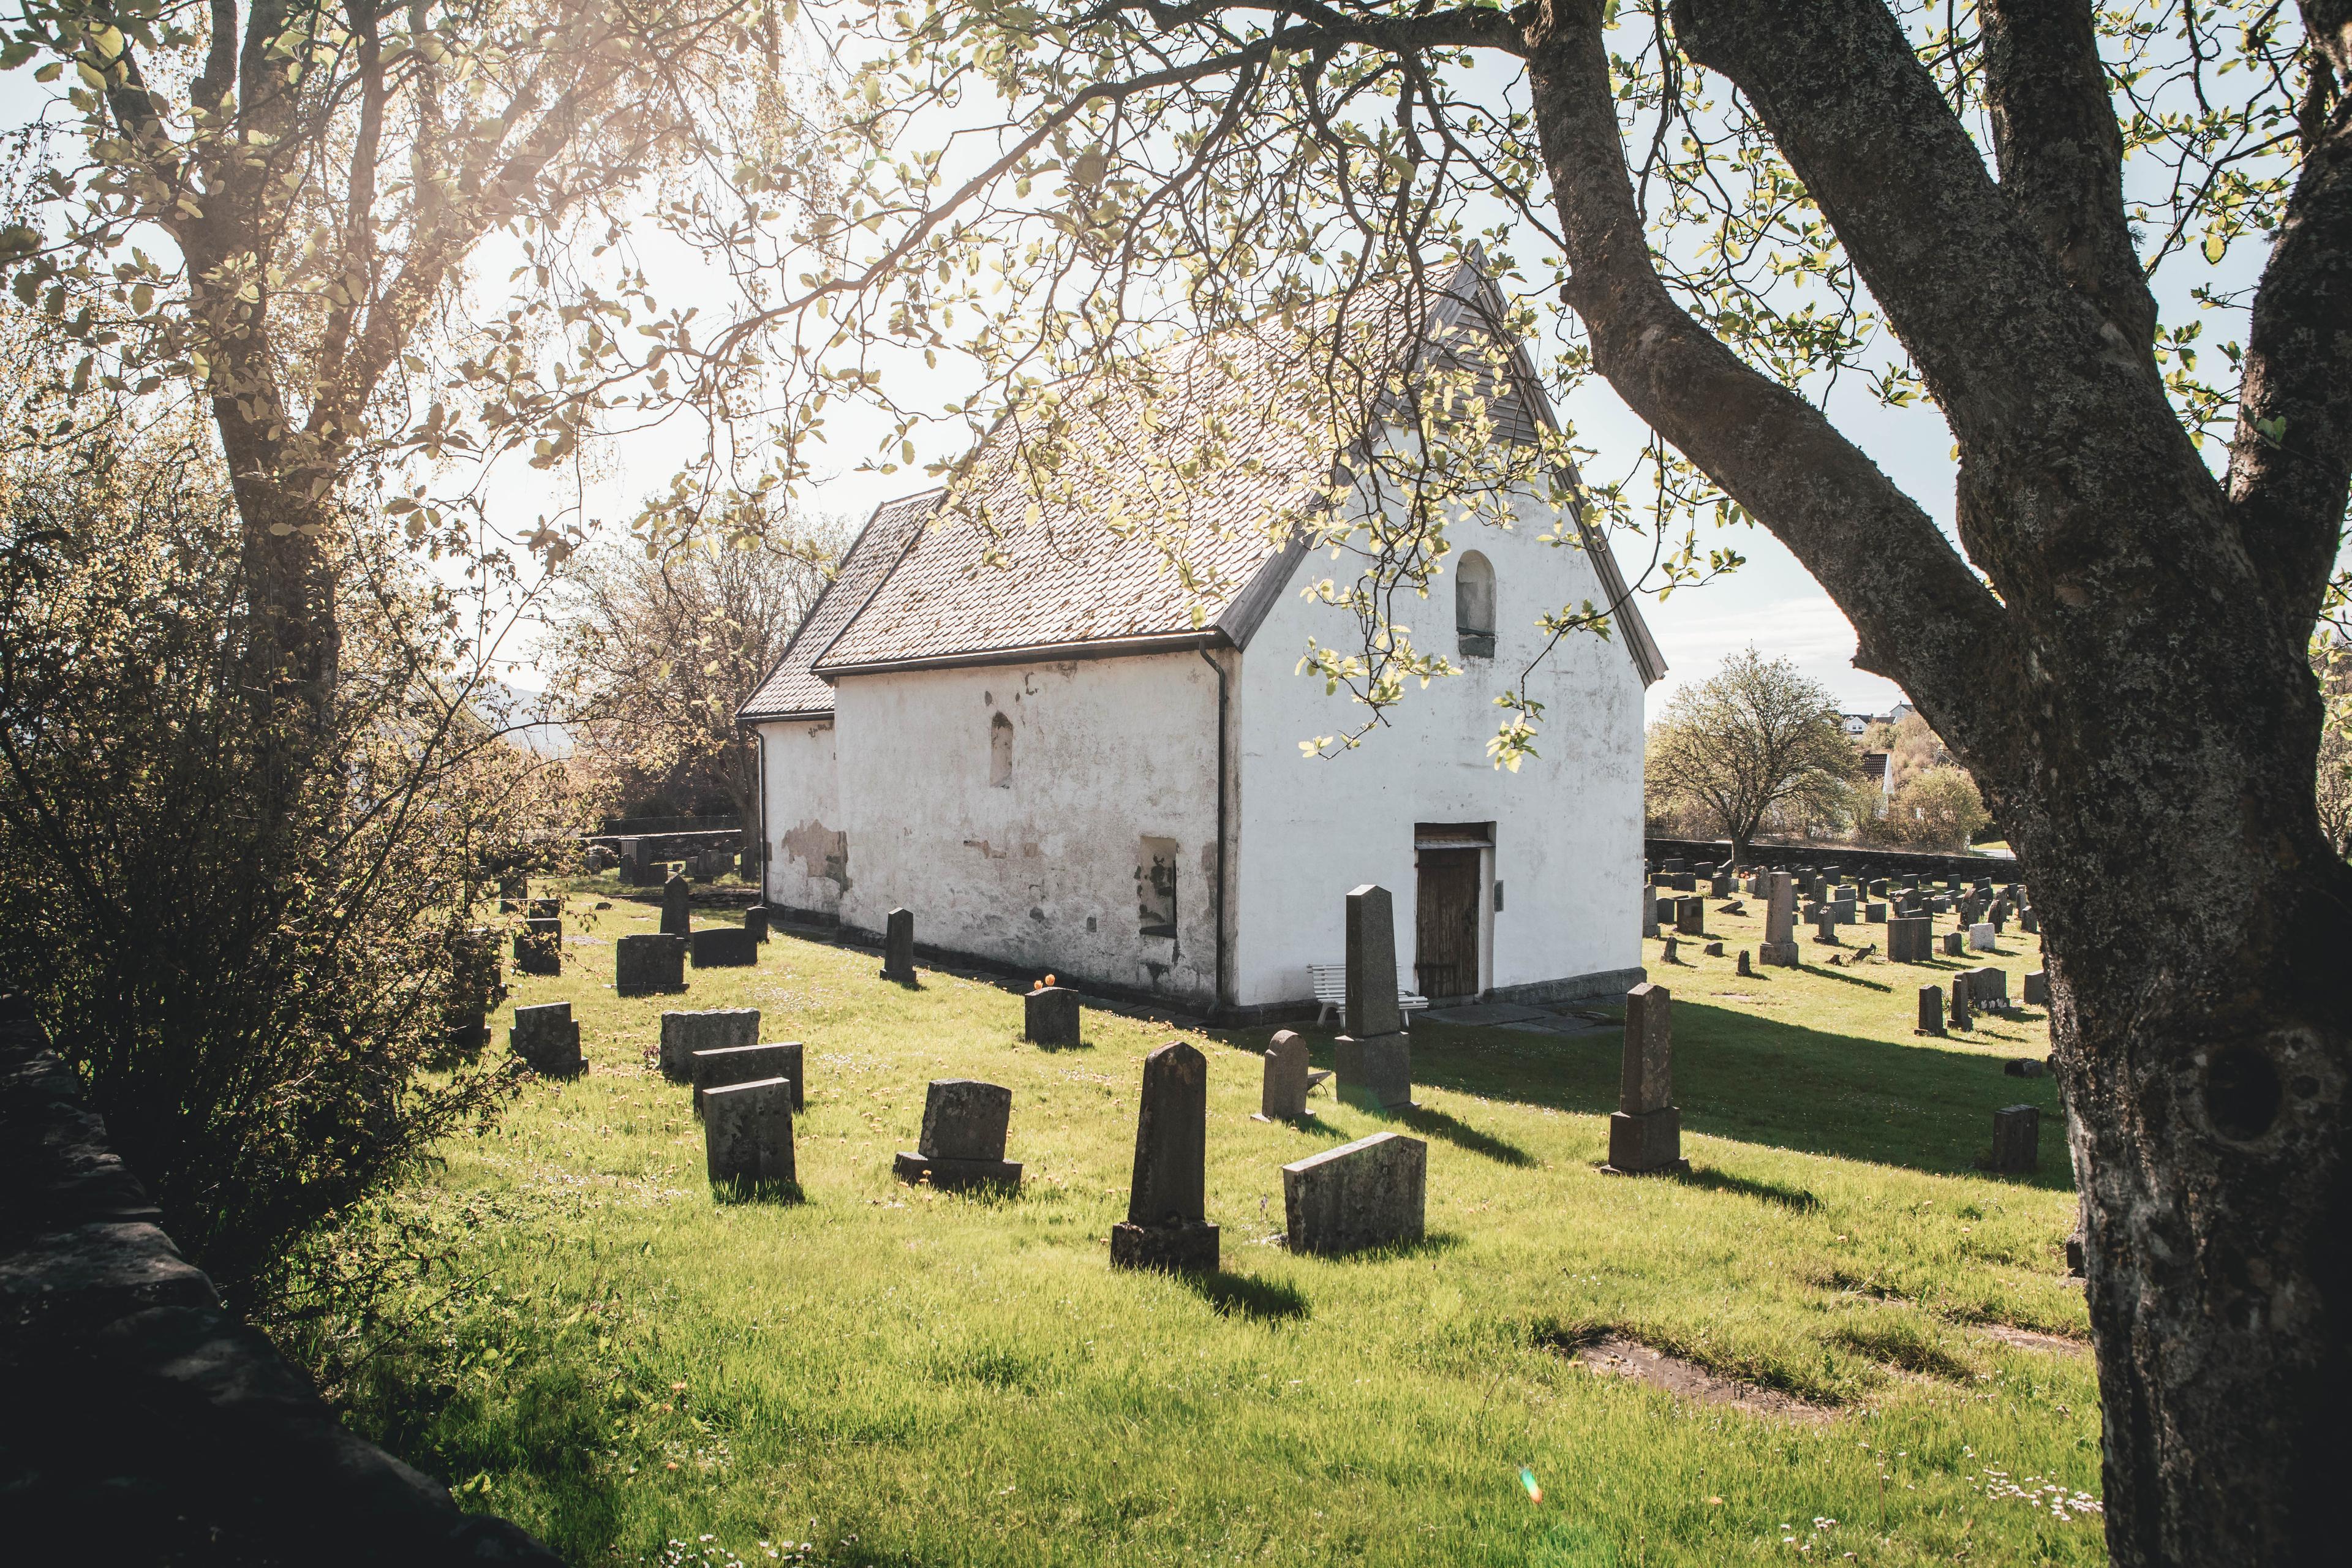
(1331, 992)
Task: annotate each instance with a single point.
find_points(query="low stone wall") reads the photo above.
(140, 1421)
(1845, 858)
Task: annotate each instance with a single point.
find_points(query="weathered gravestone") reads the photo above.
(755, 921)
(678, 907)
(1931, 1009)
(1744, 967)
(1713, 949)
(1875, 913)
(1645, 1132)
(1649, 911)
(1981, 936)
(1670, 955)
(962, 1142)
(2029, 921)
(725, 947)
(748, 1064)
(1826, 930)
(1963, 1004)
(537, 953)
(1167, 1224)
(2016, 1140)
(683, 1035)
(1988, 988)
(1374, 1057)
(1779, 943)
(547, 1039)
(1289, 1078)
(1051, 1015)
(1956, 944)
(1690, 917)
(899, 947)
(2037, 988)
(1371, 1193)
(642, 965)
(747, 1133)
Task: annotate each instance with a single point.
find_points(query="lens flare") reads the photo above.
(1527, 1479)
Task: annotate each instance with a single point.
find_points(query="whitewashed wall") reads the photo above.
(805, 866)
(1568, 833)
(1041, 874)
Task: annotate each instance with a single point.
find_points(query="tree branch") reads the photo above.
(1923, 616)
(2060, 153)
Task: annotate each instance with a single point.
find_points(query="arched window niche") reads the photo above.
(999, 751)
(1474, 605)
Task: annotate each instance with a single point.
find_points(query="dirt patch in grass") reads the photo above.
(2032, 1340)
(1616, 1357)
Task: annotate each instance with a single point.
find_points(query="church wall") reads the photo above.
(1567, 825)
(808, 853)
(1046, 816)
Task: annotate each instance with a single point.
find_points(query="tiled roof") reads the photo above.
(1134, 505)
(792, 690)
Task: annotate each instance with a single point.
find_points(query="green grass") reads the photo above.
(901, 1377)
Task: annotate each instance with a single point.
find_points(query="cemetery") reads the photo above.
(1743, 1263)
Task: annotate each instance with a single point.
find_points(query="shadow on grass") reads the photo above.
(1247, 1296)
(1765, 1192)
(1761, 1081)
(1072, 1046)
(1828, 974)
(1462, 1135)
(1430, 1244)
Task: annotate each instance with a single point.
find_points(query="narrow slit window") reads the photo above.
(1000, 753)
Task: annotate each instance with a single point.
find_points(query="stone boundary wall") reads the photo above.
(1845, 858)
(141, 1422)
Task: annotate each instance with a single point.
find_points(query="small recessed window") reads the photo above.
(1474, 605)
(1155, 887)
(999, 751)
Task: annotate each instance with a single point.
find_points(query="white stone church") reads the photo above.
(1011, 716)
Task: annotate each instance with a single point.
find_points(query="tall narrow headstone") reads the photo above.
(1371, 1007)
(1646, 1134)
(1961, 1003)
(1284, 1096)
(1931, 1009)
(1371, 1193)
(755, 921)
(747, 1133)
(1779, 943)
(678, 907)
(899, 947)
(1167, 1224)
(1649, 911)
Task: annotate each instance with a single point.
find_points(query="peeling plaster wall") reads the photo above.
(1567, 825)
(1048, 871)
(809, 856)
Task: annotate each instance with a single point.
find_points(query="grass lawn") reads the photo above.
(885, 1376)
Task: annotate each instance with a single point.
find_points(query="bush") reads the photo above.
(249, 938)
(1938, 809)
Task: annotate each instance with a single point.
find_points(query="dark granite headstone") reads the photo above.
(1645, 1131)
(1051, 1015)
(2037, 988)
(685, 1035)
(1962, 1017)
(547, 1039)
(962, 1142)
(755, 921)
(1166, 1225)
(725, 947)
(748, 1064)
(678, 907)
(2016, 1140)
(1690, 918)
(1931, 1009)
(642, 965)
(899, 947)
(747, 1133)
(1372, 1006)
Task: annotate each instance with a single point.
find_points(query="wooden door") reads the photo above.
(1445, 924)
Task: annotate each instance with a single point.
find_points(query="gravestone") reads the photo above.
(539, 952)
(1931, 1009)
(474, 989)
(1725, 886)
(1843, 909)
(600, 859)
(725, 947)
(747, 1133)
(1372, 1005)
(1875, 913)
(1371, 1193)
(1649, 911)
(899, 947)
(2037, 988)
(642, 965)
(2029, 921)
(1963, 1004)
(1690, 918)
(2016, 1140)
(962, 1142)
(1645, 1131)
(1662, 913)
(1956, 944)
(1988, 988)
(1050, 1015)
(547, 1039)
(1779, 943)
(1669, 954)
(1685, 882)
(1670, 865)
(1289, 1077)
(1713, 949)
(2022, 1067)
(746, 1064)
(1878, 888)
(685, 1035)
(1826, 931)
(1981, 936)
(1744, 968)
(678, 907)
(1166, 1225)
(755, 921)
